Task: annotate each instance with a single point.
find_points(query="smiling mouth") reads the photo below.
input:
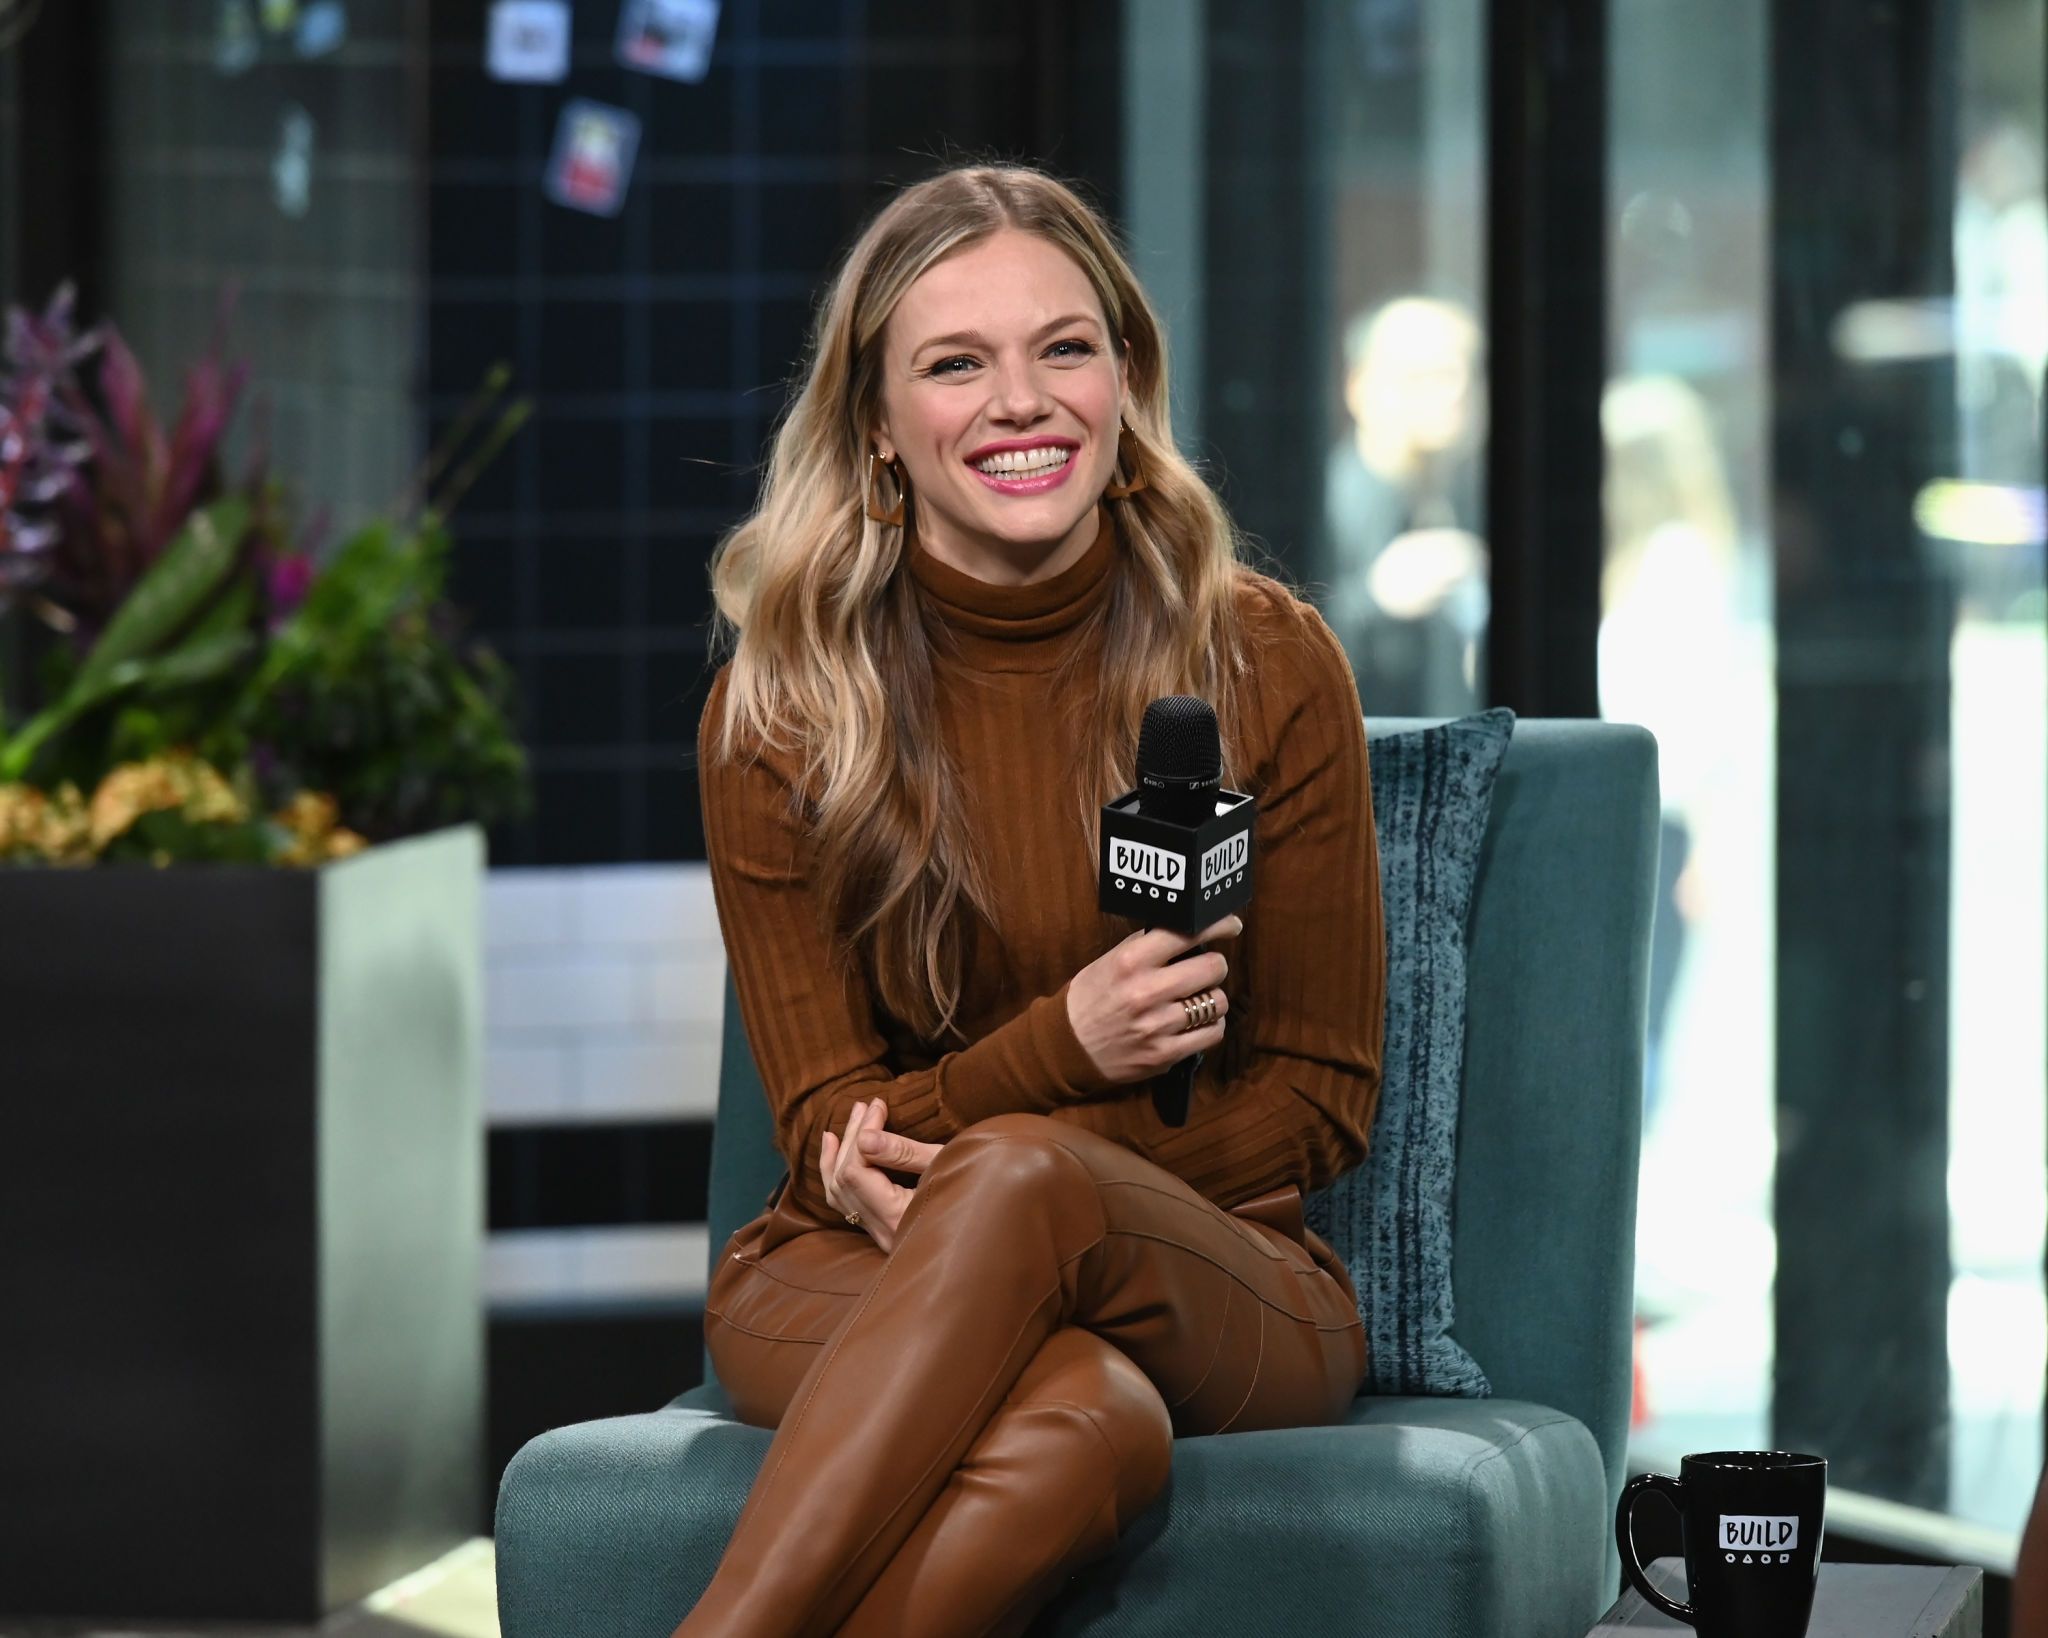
(1029, 463)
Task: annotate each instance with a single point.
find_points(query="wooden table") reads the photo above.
(1853, 1601)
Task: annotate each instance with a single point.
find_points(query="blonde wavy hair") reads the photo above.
(831, 655)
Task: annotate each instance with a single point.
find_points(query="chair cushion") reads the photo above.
(1420, 1516)
(1389, 1218)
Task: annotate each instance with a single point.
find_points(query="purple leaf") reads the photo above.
(127, 395)
(287, 582)
(40, 444)
(211, 394)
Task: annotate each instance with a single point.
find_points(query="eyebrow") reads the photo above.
(976, 338)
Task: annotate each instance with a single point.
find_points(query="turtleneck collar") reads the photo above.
(1015, 628)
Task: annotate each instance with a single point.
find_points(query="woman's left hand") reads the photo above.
(855, 1179)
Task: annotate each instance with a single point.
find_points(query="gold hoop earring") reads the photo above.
(1127, 458)
(874, 510)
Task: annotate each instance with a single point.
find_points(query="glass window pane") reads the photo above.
(1402, 554)
(1686, 650)
(1715, 637)
(1984, 523)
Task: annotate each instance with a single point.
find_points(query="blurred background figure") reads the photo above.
(2001, 260)
(2001, 335)
(1669, 646)
(1403, 500)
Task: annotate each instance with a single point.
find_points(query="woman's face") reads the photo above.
(999, 357)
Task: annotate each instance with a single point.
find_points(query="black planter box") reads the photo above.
(241, 1231)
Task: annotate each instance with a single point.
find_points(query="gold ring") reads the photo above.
(853, 1217)
(1200, 1009)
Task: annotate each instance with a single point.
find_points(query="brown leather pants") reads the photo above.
(963, 1422)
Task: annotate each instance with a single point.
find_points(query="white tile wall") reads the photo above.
(686, 991)
(604, 994)
(560, 993)
(595, 1264)
(645, 905)
(525, 1083)
(643, 1080)
(526, 909)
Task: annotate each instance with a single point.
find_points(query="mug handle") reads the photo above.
(1624, 1538)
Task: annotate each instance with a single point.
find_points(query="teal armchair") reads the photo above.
(1460, 1517)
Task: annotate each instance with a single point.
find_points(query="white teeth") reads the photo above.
(1024, 463)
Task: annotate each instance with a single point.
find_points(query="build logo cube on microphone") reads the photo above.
(1166, 873)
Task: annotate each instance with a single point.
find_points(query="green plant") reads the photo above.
(184, 627)
(368, 693)
(347, 677)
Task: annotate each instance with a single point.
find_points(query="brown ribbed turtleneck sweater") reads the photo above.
(1313, 951)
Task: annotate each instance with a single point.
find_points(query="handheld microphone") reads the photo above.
(1176, 850)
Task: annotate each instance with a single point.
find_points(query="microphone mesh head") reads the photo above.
(1179, 740)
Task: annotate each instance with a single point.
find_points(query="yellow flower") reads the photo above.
(125, 794)
(21, 816)
(175, 780)
(34, 825)
(209, 798)
(309, 814)
(67, 827)
(311, 817)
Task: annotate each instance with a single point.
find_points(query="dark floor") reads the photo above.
(455, 1597)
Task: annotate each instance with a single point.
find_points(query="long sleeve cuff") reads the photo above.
(1069, 1072)
(1034, 1063)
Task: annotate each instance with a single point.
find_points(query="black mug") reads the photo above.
(1752, 1522)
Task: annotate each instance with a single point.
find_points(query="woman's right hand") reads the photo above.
(1125, 1005)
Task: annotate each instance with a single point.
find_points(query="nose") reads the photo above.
(1019, 395)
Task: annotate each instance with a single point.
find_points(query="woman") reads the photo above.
(993, 1286)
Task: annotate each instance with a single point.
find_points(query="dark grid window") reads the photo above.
(659, 346)
(329, 295)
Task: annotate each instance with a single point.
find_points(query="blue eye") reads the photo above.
(941, 368)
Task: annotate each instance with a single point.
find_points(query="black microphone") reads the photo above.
(1180, 768)
(1176, 850)
(1180, 760)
